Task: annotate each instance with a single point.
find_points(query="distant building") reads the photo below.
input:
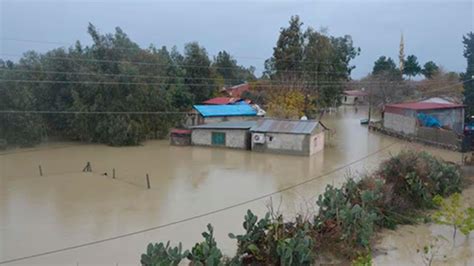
(232, 134)
(354, 97)
(297, 137)
(204, 114)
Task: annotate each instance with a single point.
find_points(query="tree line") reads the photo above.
(113, 74)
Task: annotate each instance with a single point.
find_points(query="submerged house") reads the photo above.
(230, 134)
(297, 137)
(354, 97)
(435, 122)
(204, 114)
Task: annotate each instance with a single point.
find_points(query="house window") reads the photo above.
(218, 138)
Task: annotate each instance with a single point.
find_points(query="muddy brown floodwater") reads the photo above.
(68, 208)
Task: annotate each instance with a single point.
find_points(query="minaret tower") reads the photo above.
(401, 55)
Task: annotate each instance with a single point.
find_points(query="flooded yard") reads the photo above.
(110, 221)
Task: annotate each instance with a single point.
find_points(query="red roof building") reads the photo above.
(410, 117)
(222, 100)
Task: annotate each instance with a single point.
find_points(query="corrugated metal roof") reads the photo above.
(225, 110)
(285, 126)
(228, 125)
(424, 106)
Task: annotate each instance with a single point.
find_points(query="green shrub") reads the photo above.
(297, 250)
(163, 255)
(206, 252)
(252, 245)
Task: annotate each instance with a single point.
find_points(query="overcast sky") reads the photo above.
(433, 30)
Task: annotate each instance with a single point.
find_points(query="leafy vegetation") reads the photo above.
(312, 62)
(451, 213)
(348, 217)
(113, 74)
(159, 254)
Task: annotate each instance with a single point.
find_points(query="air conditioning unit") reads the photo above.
(258, 138)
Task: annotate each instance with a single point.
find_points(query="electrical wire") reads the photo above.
(180, 65)
(199, 215)
(147, 49)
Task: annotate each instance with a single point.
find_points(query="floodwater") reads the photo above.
(77, 218)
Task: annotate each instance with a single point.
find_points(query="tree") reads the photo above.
(411, 67)
(227, 68)
(429, 69)
(198, 72)
(468, 76)
(385, 65)
(442, 83)
(288, 52)
(314, 61)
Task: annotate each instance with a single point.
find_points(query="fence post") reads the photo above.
(88, 168)
(40, 170)
(148, 181)
(113, 173)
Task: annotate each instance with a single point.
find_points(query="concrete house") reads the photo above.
(354, 97)
(296, 137)
(205, 114)
(231, 134)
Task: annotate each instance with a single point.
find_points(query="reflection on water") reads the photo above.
(66, 207)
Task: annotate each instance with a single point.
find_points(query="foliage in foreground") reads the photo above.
(347, 219)
(451, 213)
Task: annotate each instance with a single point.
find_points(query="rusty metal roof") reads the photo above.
(285, 126)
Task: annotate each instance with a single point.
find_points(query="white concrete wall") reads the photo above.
(316, 143)
(400, 123)
(234, 138)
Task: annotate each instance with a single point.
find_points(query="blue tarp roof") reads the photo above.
(225, 110)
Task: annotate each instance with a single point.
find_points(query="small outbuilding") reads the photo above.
(180, 137)
(231, 134)
(296, 137)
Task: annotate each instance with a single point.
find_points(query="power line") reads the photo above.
(161, 64)
(185, 77)
(199, 215)
(147, 49)
(322, 84)
(94, 112)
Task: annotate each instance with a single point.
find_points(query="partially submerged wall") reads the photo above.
(400, 123)
(295, 144)
(440, 136)
(234, 138)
